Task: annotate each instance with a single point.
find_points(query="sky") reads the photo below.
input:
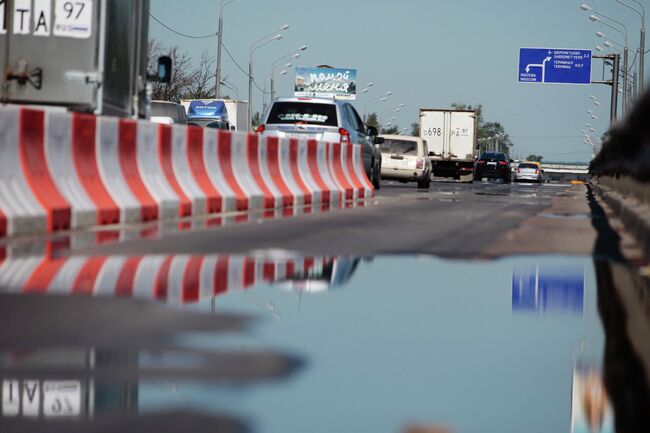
(430, 54)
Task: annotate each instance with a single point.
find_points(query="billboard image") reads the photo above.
(330, 83)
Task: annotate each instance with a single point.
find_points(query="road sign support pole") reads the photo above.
(616, 62)
(614, 103)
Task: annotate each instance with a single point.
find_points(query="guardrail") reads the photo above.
(62, 171)
(622, 170)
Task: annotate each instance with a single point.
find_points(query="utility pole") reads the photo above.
(217, 87)
(641, 59)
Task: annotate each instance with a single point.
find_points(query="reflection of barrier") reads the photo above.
(61, 170)
(175, 279)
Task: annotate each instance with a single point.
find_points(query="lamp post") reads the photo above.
(291, 56)
(374, 101)
(284, 70)
(255, 46)
(217, 88)
(642, 42)
(595, 18)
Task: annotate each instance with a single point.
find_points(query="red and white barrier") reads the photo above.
(177, 280)
(63, 170)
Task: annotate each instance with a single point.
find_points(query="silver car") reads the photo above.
(324, 120)
(529, 172)
(405, 159)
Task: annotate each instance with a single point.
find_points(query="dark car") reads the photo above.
(493, 165)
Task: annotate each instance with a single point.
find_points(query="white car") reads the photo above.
(529, 172)
(405, 159)
(324, 120)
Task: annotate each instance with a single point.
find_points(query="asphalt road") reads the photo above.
(450, 220)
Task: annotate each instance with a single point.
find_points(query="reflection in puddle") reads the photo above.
(402, 341)
(540, 288)
(174, 279)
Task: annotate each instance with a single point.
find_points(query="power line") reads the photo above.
(179, 33)
(242, 69)
(233, 59)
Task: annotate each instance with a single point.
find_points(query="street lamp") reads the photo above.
(218, 83)
(290, 56)
(255, 46)
(374, 101)
(624, 32)
(642, 43)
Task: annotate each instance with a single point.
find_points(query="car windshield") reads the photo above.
(303, 113)
(533, 166)
(401, 147)
(210, 123)
(494, 156)
(164, 109)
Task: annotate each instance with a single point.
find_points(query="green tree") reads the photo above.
(488, 134)
(372, 120)
(257, 119)
(415, 129)
(394, 129)
(535, 158)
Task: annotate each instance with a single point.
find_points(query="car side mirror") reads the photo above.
(432, 153)
(371, 131)
(378, 140)
(511, 161)
(164, 72)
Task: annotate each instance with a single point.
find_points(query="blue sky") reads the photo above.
(428, 53)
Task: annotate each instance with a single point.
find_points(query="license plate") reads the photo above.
(61, 398)
(492, 163)
(298, 136)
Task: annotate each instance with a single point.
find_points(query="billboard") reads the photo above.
(333, 83)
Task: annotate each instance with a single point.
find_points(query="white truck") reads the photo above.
(82, 55)
(237, 113)
(236, 110)
(451, 141)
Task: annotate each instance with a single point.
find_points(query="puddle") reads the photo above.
(576, 216)
(276, 342)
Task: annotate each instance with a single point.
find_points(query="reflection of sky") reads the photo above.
(405, 340)
(548, 288)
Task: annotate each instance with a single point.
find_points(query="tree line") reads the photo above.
(189, 80)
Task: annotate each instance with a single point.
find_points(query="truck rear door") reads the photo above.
(432, 130)
(461, 135)
(49, 49)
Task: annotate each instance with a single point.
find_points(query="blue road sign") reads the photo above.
(549, 65)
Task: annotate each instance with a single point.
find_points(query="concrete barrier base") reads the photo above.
(630, 200)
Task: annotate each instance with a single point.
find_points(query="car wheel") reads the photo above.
(376, 181)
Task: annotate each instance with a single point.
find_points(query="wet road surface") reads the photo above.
(484, 307)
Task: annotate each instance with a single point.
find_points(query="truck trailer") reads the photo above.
(451, 140)
(86, 55)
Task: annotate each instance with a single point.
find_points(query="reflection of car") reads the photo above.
(324, 120)
(529, 171)
(168, 113)
(405, 159)
(493, 165)
(332, 274)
